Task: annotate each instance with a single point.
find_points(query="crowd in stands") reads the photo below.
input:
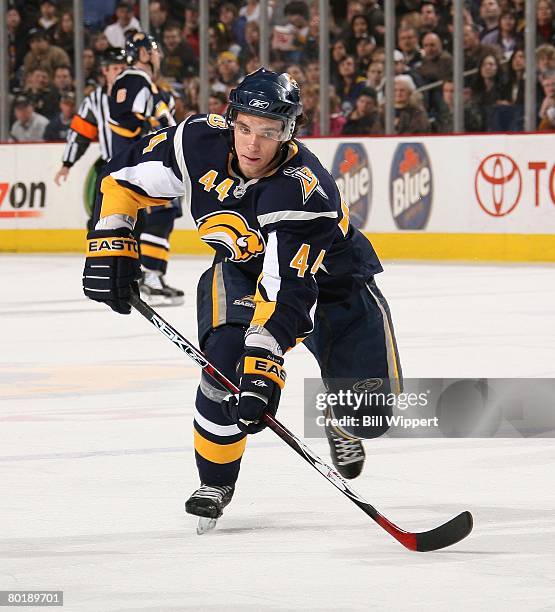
(41, 54)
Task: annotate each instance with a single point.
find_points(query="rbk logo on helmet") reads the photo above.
(231, 230)
(259, 103)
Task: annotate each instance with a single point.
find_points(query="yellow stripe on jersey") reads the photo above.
(155, 252)
(119, 200)
(219, 453)
(124, 131)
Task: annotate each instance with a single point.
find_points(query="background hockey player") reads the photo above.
(135, 102)
(91, 121)
(288, 268)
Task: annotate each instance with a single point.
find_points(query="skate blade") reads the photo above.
(205, 524)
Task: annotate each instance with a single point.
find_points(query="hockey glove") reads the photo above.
(262, 379)
(111, 268)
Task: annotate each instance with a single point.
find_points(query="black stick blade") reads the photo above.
(449, 533)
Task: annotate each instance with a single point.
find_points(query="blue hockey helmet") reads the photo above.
(267, 94)
(134, 43)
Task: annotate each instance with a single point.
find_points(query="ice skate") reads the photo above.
(347, 453)
(155, 292)
(208, 504)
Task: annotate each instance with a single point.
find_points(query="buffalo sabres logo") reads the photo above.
(229, 229)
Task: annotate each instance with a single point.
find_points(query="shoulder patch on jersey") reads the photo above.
(216, 121)
(309, 181)
(121, 95)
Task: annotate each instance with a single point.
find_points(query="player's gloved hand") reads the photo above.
(262, 379)
(111, 268)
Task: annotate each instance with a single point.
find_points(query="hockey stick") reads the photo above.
(449, 533)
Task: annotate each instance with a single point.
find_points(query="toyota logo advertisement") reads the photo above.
(498, 185)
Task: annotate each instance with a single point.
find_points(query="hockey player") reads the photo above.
(91, 121)
(136, 108)
(288, 267)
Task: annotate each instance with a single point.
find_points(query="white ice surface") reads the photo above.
(96, 460)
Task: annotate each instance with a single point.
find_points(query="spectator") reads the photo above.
(474, 50)
(437, 64)
(220, 40)
(58, 127)
(62, 81)
(48, 19)
(375, 17)
(99, 43)
(179, 60)
(252, 64)
(365, 118)
(158, 16)
(228, 70)
(43, 55)
(125, 21)
(310, 97)
(17, 40)
(365, 47)
(296, 73)
(29, 126)
(250, 12)
(90, 67)
(359, 28)
(288, 41)
(217, 103)
(506, 37)
(354, 7)
(444, 121)
(229, 16)
(312, 73)
(400, 67)
(63, 36)
(410, 115)
(190, 27)
(252, 40)
(489, 14)
(488, 90)
(545, 59)
(375, 80)
(38, 92)
(544, 22)
(430, 22)
(408, 44)
(349, 84)
(337, 119)
(547, 110)
(515, 81)
(338, 52)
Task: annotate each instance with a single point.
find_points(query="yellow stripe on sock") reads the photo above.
(219, 453)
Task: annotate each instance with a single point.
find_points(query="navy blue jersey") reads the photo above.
(132, 101)
(288, 230)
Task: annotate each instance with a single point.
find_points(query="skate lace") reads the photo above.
(214, 493)
(347, 450)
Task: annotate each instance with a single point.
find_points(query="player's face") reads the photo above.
(111, 72)
(256, 143)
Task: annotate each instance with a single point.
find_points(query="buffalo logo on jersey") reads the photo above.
(108, 247)
(229, 229)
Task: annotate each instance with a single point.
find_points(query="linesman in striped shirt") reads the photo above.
(91, 122)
